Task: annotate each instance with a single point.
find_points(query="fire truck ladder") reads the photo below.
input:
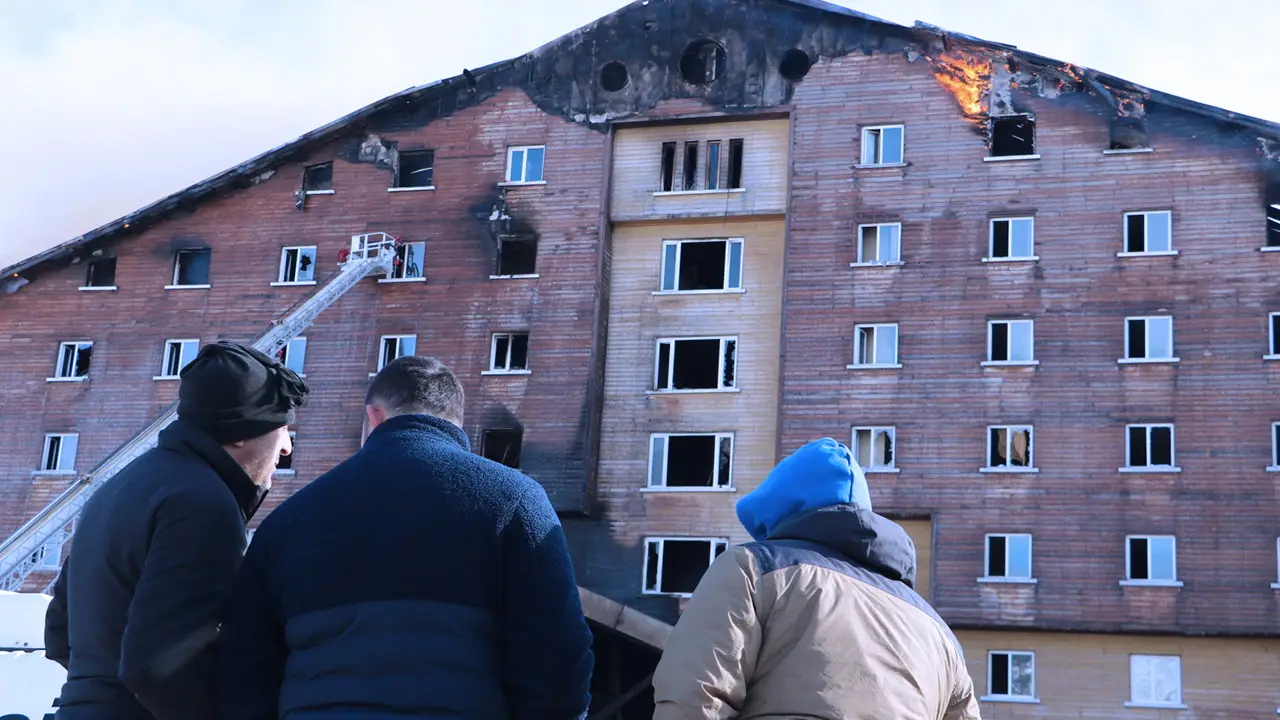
(20, 555)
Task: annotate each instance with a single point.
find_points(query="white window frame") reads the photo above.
(397, 273)
(493, 350)
(382, 341)
(720, 484)
(1273, 351)
(1012, 469)
(524, 168)
(1030, 579)
(991, 240)
(875, 327)
(1173, 449)
(285, 472)
(1134, 702)
(288, 353)
(1146, 235)
(1146, 332)
(991, 361)
(59, 370)
(1009, 697)
(181, 344)
(1275, 448)
(1128, 561)
(41, 557)
(713, 542)
(729, 243)
(1276, 585)
(61, 461)
(177, 255)
(873, 140)
(284, 263)
(863, 261)
(671, 365)
(892, 467)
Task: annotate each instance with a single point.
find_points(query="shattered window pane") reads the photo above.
(730, 363)
(298, 264)
(873, 448)
(1022, 675)
(517, 255)
(724, 476)
(318, 178)
(416, 169)
(652, 554)
(73, 359)
(1273, 215)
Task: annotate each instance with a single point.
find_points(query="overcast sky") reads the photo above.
(108, 105)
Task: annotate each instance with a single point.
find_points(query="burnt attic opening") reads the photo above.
(795, 64)
(702, 62)
(1273, 213)
(318, 178)
(503, 446)
(1128, 133)
(416, 169)
(613, 76)
(101, 273)
(1013, 135)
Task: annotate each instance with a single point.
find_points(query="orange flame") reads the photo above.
(967, 77)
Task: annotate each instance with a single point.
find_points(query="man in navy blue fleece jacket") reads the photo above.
(414, 580)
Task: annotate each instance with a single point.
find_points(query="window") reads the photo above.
(59, 454)
(1152, 558)
(410, 259)
(73, 360)
(701, 265)
(875, 346)
(1011, 341)
(1128, 133)
(1149, 338)
(1149, 447)
(735, 163)
(712, 181)
(517, 255)
(691, 461)
(318, 178)
(417, 169)
(673, 566)
(294, 355)
(1275, 446)
(1273, 215)
(524, 164)
(284, 463)
(101, 273)
(873, 448)
(191, 268)
(668, 180)
(880, 244)
(1013, 239)
(1009, 557)
(1013, 136)
(394, 346)
(1009, 447)
(1155, 681)
(503, 446)
(177, 353)
(509, 353)
(690, 166)
(1274, 326)
(297, 265)
(1148, 232)
(1010, 675)
(882, 145)
(49, 555)
(695, 364)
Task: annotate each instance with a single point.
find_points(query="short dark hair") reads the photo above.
(418, 385)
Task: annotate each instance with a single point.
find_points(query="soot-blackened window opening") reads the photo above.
(668, 180)
(675, 566)
(690, 166)
(191, 267)
(1128, 133)
(735, 163)
(1273, 214)
(318, 178)
(1013, 136)
(701, 364)
(702, 62)
(698, 460)
(503, 446)
(417, 169)
(101, 273)
(517, 255)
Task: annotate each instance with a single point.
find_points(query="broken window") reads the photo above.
(673, 566)
(59, 454)
(735, 163)
(503, 446)
(1011, 341)
(1155, 681)
(101, 273)
(1013, 136)
(696, 364)
(517, 255)
(524, 164)
(49, 555)
(411, 258)
(701, 265)
(1148, 232)
(1153, 557)
(690, 166)
(882, 145)
(1272, 200)
(294, 355)
(1009, 447)
(191, 267)
(1274, 344)
(318, 178)
(1148, 338)
(1009, 556)
(668, 181)
(1150, 446)
(1275, 445)
(1128, 133)
(1013, 238)
(297, 264)
(879, 244)
(702, 62)
(1011, 674)
(285, 460)
(394, 346)
(416, 169)
(873, 448)
(691, 461)
(713, 166)
(875, 345)
(73, 360)
(509, 352)
(177, 353)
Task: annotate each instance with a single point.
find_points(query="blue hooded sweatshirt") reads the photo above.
(818, 475)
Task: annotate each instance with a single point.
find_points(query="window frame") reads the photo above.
(88, 274)
(43, 564)
(1133, 702)
(297, 262)
(991, 238)
(862, 261)
(1146, 341)
(396, 273)
(877, 147)
(1275, 448)
(1149, 581)
(287, 352)
(671, 360)
(1173, 449)
(729, 243)
(1012, 469)
(177, 268)
(1030, 579)
(524, 167)
(719, 485)
(62, 447)
(892, 467)
(397, 180)
(382, 340)
(79, 345)
(992, 696)
(493, 350)
(661, 541)
(897, 348)
(291, 470)
(991, 361)
(524, 238)
(991, 132)
(1146, 235)
(322, 191)
(485, 432)
(1273, 338)
(181, 344)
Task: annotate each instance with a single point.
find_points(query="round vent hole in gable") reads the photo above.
(795, 64)
(613, 76)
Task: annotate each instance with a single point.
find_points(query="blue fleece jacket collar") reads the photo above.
(818, 475)
(428, 424)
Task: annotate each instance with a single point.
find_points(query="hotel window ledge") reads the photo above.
(506, 372)
(1010, 699)
(1155, 253)
(1155, 706)
(412, 189)
(1270, 248)
(894, 366)
(1152, 469)
(718, 191)
(1148, 361)
(1029, 258)
(1010, 363)
(1151, 583)
(1128, 151)
(1008, 581)
(49, 473)
(98, 288)
(392, 281)
(881, 165)
(83, 378)
(698, 391)
(688, 490)
(1009, 470)
(514, 277)
(304, 283)
(1010, 158)
(898, 263)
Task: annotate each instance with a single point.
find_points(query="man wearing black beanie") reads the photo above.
(135, 611)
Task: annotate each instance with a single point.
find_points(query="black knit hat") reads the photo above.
(234, 392)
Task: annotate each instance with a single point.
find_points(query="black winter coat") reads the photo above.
(135, 611)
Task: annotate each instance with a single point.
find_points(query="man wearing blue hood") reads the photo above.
(816, 618)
